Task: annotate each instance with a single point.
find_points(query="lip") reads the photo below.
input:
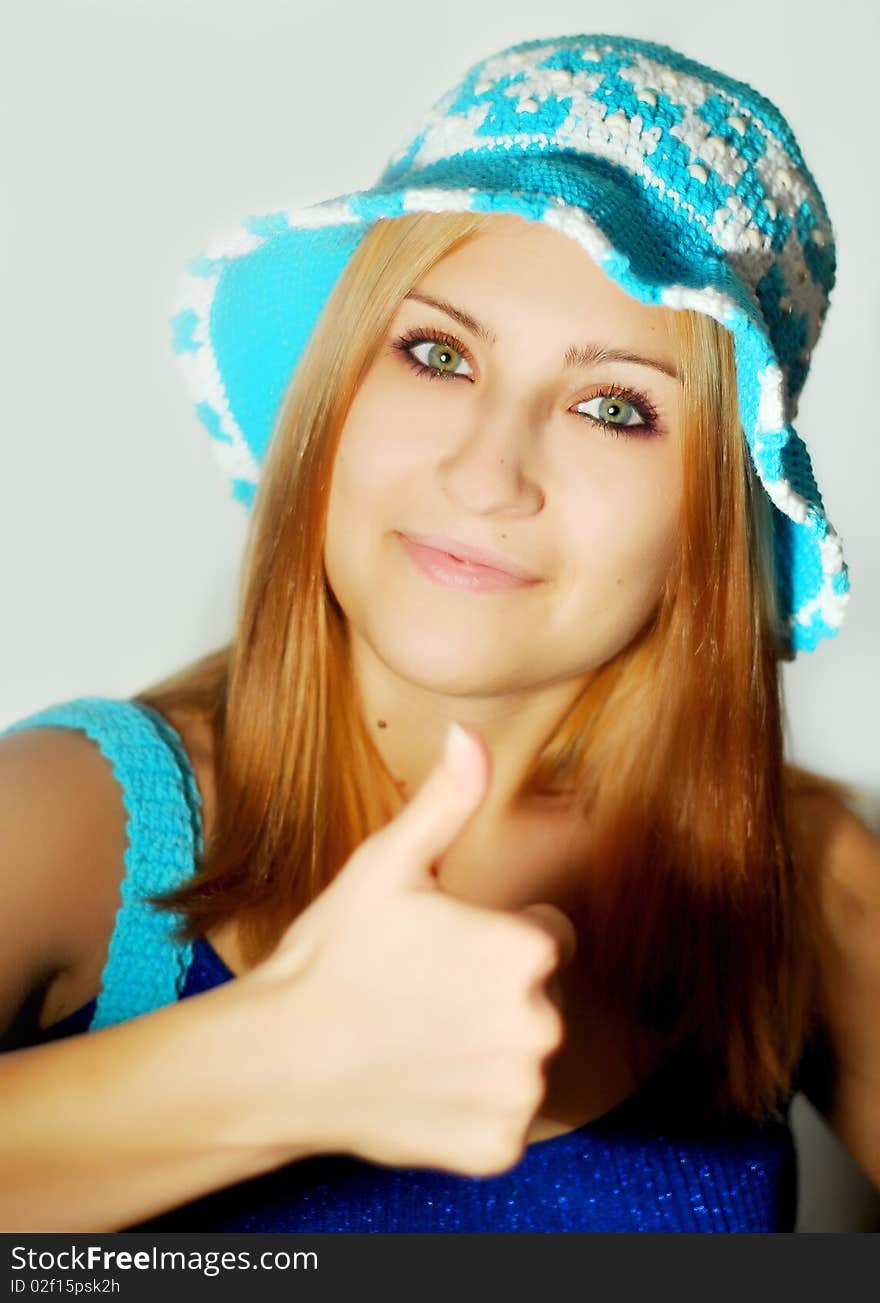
(445, 569)
(479, 556)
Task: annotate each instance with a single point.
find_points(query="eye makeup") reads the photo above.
(648, 424)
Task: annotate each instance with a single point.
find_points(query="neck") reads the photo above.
(407, 724)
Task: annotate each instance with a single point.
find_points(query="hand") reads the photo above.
(433, 1021)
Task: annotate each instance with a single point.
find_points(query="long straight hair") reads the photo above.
(697, 923)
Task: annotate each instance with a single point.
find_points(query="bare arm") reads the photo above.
(105, 1129)
(100, 1130)
(312, 1051)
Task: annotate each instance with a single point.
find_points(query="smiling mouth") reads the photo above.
(474, 555)
(450, 571)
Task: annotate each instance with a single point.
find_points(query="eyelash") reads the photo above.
(639, 401)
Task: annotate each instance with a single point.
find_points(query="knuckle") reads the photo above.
(536, 1089)
(554, 1028)
(526, 1087)
(551, 952)
(546, 1029)
(494, 1152)
(544, 951)
(537, 950)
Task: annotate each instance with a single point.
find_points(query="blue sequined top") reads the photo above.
(642, 1166)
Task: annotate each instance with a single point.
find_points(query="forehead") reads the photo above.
(517, 270)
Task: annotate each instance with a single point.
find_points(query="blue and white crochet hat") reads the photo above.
(687, 187)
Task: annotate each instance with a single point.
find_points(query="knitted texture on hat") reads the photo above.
(685, 186)
(146, 966)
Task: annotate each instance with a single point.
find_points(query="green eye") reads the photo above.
(613, 410)
(616, 411)
(433, 355)
(440, 356)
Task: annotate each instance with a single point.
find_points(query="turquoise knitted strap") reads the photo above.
(146, 967)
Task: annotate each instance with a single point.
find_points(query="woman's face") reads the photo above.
(506, 452)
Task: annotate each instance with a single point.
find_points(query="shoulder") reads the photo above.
(63, 836)
(63, 807)
(836, 839)
(833, 835)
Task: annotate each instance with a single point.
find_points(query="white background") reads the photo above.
(133, 132)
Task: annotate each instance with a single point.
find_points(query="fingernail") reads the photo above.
(457, 749)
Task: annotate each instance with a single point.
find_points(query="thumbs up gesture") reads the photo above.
(432, 1017)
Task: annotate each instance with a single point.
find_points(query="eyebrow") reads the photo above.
(575, 355)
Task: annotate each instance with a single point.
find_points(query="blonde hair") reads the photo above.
(674, 746)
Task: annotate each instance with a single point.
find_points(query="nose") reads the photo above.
(492, 469)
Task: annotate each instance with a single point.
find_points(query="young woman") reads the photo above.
(567, 972)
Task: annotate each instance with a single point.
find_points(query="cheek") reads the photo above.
(379, 444)
(625, 523)
(369, 485)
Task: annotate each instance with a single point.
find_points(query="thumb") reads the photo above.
(428, 825)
